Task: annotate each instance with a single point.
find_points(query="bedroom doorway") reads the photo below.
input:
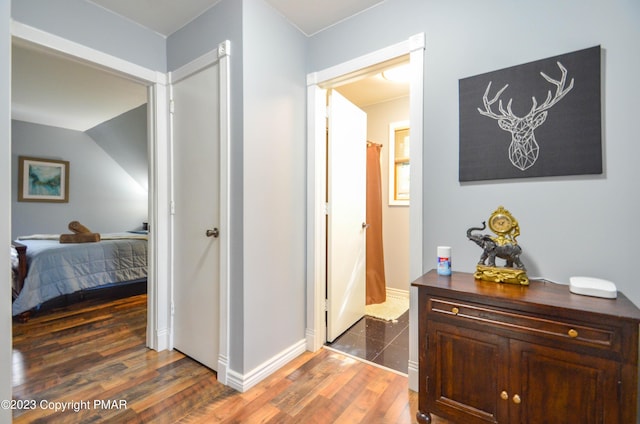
(157, 334)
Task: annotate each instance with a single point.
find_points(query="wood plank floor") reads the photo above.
(95, 351)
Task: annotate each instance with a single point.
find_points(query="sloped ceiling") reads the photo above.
(52, 90)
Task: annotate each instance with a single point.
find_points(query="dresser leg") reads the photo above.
(423, 417)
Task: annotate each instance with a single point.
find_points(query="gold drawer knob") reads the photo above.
(516, 399)
(572, 333)
(504, 395)
(455, 310)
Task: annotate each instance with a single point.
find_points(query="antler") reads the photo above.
(487, 105)
(560, 91)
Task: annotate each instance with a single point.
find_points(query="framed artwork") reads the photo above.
(43, 180)
(399, 165)
(537, 119)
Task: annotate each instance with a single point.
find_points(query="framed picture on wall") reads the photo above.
(537, 119)
(43, 180)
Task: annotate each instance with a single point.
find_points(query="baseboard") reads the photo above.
(223, 370)
(313, 342)
(397, 292)
(413, 376)
(162, 340)
(243, 382)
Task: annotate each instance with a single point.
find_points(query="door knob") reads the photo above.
(365, 225)
(213, 233)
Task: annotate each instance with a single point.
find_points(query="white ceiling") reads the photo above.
(167, 16)
(56, 91)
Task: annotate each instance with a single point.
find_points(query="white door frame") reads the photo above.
(221, 56)
(158, 329)
(317, 82)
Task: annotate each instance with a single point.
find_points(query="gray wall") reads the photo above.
(102, 195)
(95, 27)
(125, 139)
(5, 199)
(565, 222)
(274, 183)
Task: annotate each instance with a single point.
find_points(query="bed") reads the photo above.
(43, 269)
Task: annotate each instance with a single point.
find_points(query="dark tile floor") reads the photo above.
(382, 342)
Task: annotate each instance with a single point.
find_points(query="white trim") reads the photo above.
(221, 56)
(194, 66)
(162, 338)
(243, 382)
(413, 374)
(397, 292)
(73, 49)
(316, 222)
(414, 379)
(158, 311)
(391, 52)
(225, 209)
(159, 269)
(316, 172)
(416, 267)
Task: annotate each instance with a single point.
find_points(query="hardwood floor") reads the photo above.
(95, 351)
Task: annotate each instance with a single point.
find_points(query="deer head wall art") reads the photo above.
(536, 119)
(523, 150)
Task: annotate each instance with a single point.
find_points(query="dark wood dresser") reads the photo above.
(505, 353)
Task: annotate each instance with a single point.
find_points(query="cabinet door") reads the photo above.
(561, 387)
(466, 374)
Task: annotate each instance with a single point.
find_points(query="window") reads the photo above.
(399, 163)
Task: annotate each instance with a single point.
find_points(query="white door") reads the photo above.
(196, 180)
(346, 229)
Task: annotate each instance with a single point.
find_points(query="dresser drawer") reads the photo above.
(583, 334)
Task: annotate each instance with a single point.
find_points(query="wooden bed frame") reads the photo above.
(124, 289)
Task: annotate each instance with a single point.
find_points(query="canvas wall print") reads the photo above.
(43, 180)
(537, 119)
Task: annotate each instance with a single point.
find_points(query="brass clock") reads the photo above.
(501, 221)
(504, 225)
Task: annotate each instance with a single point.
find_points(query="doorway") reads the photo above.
(316, 259)
(200, 219)
(196, 217)
(378, 331)
(388, 201)
(157, 332)
(361, 117)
